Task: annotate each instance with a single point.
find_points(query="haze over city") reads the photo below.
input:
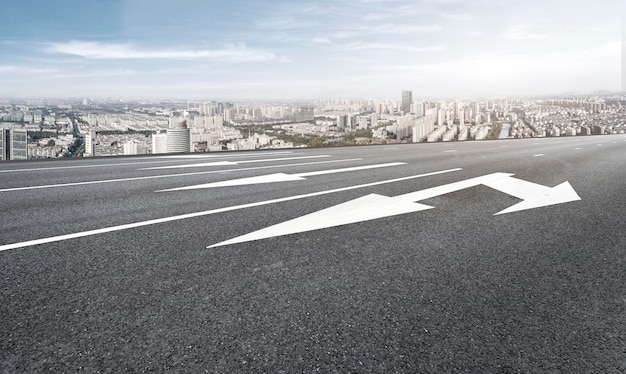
(301, 50)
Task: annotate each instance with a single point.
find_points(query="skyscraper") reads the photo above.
(178, 138)
(3, 143)
(623, 53)
(407, 99)
(13, 144)
(90, 144)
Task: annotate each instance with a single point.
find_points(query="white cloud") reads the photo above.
(521, 32)
(320, 40)
(103, 51)
(23, 69)
(395, 47)
(403, 29)
(457, 17)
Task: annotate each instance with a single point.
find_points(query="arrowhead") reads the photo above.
(365, 208)
(270, 178)
(563, 193)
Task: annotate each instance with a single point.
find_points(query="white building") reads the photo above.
(132, 148)
(178, 138)
(90, 144)
(159, 143)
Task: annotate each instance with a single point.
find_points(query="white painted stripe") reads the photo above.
(125, 163)
(223, 163)
(577, 148)
(275, 178)
(169, 175)
(539, 155)
(58, 238)
(448, 188)
(355, 168)
(451, 150)
(225, 154)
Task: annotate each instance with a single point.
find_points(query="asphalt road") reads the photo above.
(454, 288)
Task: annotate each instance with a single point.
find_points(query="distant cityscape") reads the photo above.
(46, 128)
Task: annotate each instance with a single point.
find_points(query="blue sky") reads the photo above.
(244, 49)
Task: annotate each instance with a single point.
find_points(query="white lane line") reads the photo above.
(201, 156)
(81, 234)
(354, 168)
(539, 155)
(170, 175)
(278, 177)
(450, 150)
(126, 163)
(578, 148)
(227, 163)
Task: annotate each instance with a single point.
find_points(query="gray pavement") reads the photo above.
(449, 289)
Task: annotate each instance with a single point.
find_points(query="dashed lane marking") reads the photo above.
(169, 175)
(121, 164)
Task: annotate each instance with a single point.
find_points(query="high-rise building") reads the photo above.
(159, 143)
(407, 100)
(457, 110)
(342, 120)
(3, 143)
(475, 108)
(13, 144)
(90, 144)
(19, 144)
(178, 138)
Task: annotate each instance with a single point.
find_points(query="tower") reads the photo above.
(407, 100)
(90, 144)
(178, 138)
(13, 144)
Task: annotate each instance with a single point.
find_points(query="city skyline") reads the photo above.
(295, 50)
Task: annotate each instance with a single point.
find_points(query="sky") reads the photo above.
(279, 49)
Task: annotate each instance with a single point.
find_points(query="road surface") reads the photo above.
(398, 258)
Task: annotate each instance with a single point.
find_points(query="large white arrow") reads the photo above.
(279, 177)
(375, 206)
(533, 195)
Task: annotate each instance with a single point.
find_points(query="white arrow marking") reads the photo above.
(365, 208)
(228, 163)
(533, 195)
(173, 175)
(278, 177)
(449, 188)
(375, 206)
(268, 178)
